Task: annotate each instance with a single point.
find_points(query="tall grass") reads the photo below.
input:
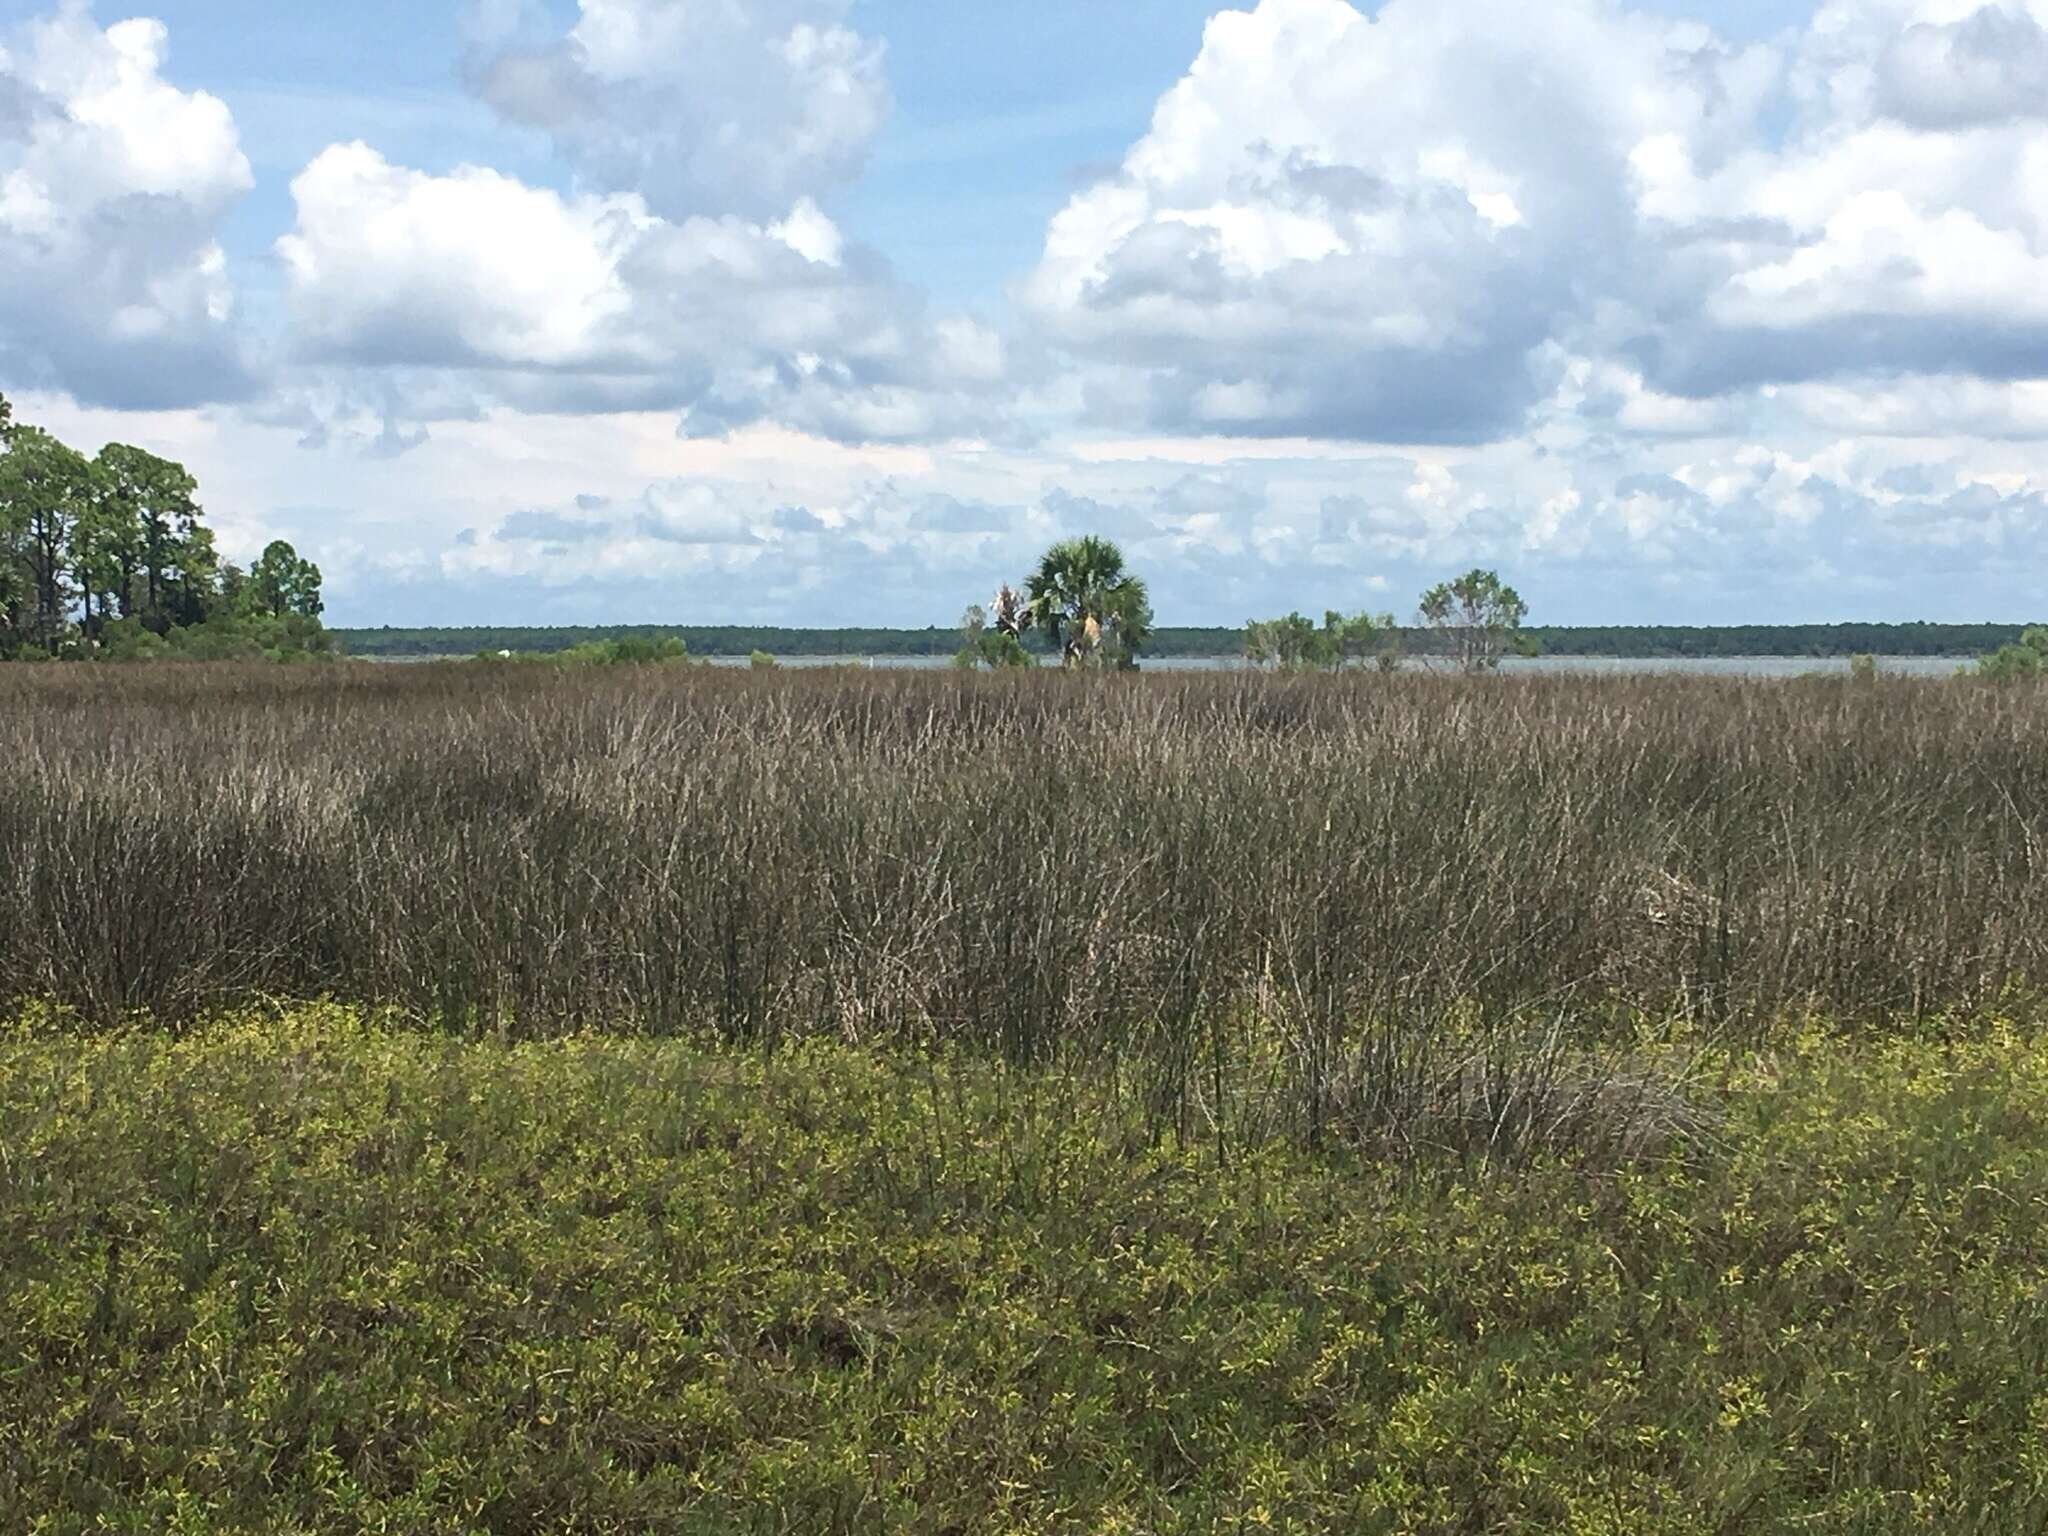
(1185, 868)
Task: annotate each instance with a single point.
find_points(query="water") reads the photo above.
(1587, 666)
(1738, 666)
(1591, 666)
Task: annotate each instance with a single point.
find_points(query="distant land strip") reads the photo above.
(1621, 640)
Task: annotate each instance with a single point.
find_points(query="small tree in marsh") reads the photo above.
(1478, 617)
(626, 651)
(1094, 610)
(984, 645)
(1289, 643)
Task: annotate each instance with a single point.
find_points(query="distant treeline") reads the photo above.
(1915, 639)
(1633, 640)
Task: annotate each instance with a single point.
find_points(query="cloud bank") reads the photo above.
(1391, 229)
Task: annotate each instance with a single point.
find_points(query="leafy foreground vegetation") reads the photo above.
(308, 1274)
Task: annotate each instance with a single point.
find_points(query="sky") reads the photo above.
(829, 312)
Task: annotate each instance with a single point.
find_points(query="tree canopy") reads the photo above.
(280, 583)
(1477, 615)
(108, 557)
(1171, 640)
(1092, 608)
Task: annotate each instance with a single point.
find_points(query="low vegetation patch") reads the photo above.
(308, 1274)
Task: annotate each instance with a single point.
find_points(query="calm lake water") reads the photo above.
(1597, 666)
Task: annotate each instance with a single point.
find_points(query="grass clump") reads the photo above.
(310, 1275)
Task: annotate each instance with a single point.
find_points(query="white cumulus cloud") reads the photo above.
(1897, 222)
(1363, 228)
(113, 183)
(1388, 228)
(592, 302)
(390, 265)
(696, 105)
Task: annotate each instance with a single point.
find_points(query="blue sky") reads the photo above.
(837, 310)
(999, 110)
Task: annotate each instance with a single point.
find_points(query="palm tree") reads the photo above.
(1094, 609)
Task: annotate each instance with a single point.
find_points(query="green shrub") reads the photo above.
(128, 640)
(626, 650)
(228, 636)
(2023, 661)
(996, 649)
(1295, 644)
